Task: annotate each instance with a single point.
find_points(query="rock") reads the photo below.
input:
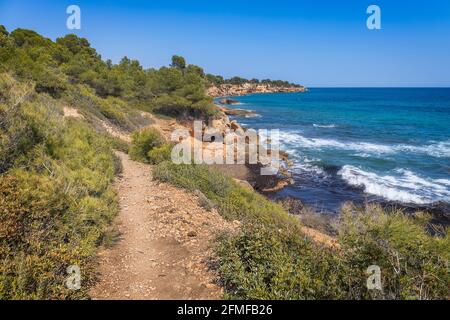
(228, 101)
(192, 234)
(281, 184)
(244, 184)
(234, 125)
(237, 112)
(284, 155)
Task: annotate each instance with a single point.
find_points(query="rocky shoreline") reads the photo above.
(270, 185)
(236, 112)
(249, 174)
(227, 90)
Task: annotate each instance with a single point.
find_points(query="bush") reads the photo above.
(160, 154)
(56, 197)
(414, 264)
(43, 231)
(269, 263)
(143, 142)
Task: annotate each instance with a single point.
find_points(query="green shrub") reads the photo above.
(413, 263)
(160, 154)
(56, 197)
(143, 142)
(118, 144)
(43, 231)
(270, 263)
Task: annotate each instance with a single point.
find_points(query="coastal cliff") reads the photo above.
(225, 90)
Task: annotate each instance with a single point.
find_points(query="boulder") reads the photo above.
(228, 101)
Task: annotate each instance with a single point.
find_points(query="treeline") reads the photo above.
(69, 63)
(219, 80)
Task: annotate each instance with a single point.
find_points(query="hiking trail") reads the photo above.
(163, 249)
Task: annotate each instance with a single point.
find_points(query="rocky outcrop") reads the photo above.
(249, 88)
(245, 172)
(236, 112)
(264, 184)
(228, 101)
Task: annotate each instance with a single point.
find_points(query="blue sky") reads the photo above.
(316, 43)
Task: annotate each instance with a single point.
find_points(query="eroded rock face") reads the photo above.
(234, 125)
(249, 88)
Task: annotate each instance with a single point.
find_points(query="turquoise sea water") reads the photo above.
(361, 144)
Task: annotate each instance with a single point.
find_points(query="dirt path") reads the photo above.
(164, 243)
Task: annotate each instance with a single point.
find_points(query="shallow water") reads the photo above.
(361, 144)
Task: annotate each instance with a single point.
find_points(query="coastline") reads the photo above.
(230, 90)
(440, 211)
(249, 174)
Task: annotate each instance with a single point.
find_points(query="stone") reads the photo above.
(192, 234)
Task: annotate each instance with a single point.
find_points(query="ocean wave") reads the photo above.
(324, 126)
(439, 149)
(306, 166)
(253, 115)
(318, 143)
(406, 186)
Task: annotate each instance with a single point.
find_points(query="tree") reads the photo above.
(178, 62)
(3, 30)
(24, 37)
(195, 70)
(76, 45)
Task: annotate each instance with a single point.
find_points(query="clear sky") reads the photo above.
(316, 43)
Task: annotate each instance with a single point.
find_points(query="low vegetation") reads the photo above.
(143, 142)
(56, 199)
(160, 154)
(272, 259)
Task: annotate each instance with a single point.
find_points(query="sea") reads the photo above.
(362, 145)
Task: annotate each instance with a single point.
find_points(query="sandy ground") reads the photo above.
(163, 250)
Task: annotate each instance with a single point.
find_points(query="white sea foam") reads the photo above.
(440, 149)
(253, 115)
(324, 126)
(318, 143)
(306, 166)
(443, 181)
(405, 187)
